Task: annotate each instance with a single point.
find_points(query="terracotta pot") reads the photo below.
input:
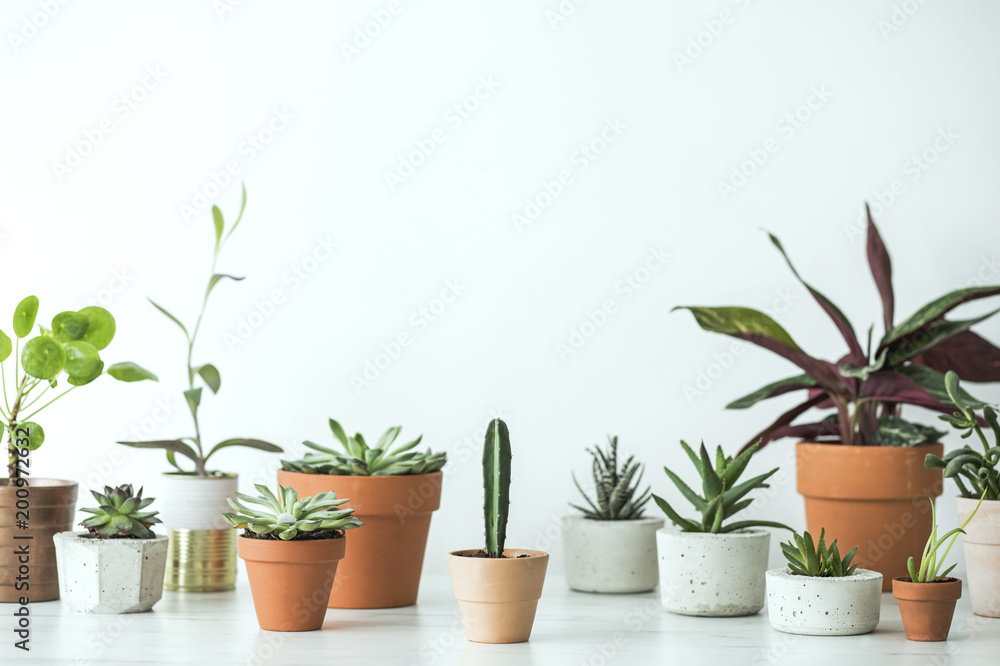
(982, 554)
(51, 509)
(497, 597)
(387, 555)
(873, 497)
(291, 580)
(926, 608)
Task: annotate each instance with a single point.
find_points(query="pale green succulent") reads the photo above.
(120, 514)
(285, 515)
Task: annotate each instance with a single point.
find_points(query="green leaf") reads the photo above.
(69, 326)
(193, 397)
(711, 483)
(175, 445)
(689, 494)
(126, 371)
(101, 330)
(36, 435)
(338, 432)
(683, 523)
(83, 380)
(82, 359)
(219, 225)
(43, 357)
(24, 316)
(248, 443)
(746, 524)
(733, 320)
(779, 387)
(243, 205)
(171, 317)
(210, 374)
(5, 346)
(214, 280)
(932, 381)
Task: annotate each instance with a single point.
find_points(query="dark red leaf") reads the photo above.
(881, 268)
(767, 434)
(972, 357)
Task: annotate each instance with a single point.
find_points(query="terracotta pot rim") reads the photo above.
(84, 536)
(362, 476)
(220, 476)
(839, 445)
(40, 482)
(532, 555)
(949, 589)
(746, 533)
(301, 551)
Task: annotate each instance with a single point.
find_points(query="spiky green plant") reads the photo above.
(284, 516)
(496, 486)
(120, 515)
(722, 496)
(930, 563)
(614, 491)
(807, 559)
(362, 460)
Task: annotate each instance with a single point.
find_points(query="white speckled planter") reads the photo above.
(716, 575)
(110, 575)
(610, 556)
(982, 554)
(829, 606)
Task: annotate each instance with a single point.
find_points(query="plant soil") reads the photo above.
(301, 536)
(482, 553)
(101, 537)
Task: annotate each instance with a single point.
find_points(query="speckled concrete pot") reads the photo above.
(610, 556)
(982, 554)
(716, 575)
(110, 576)
(829, 606)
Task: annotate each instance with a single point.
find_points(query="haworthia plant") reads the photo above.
(614, 490)
(496, 486)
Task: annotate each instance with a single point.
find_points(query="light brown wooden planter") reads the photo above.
(52, 507)
(927, 608)
(873, 497)
(383, 567)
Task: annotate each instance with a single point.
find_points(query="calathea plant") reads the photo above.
(614, 490)
(72, 347)
(867, 386)
(286, 517)
(807, 559)
(120, 514)
(204, 373)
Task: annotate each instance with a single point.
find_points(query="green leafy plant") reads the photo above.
(866, 387)
(358, 459)
(615, 497)
(807, 559)
(979, 469)
(120, 514)
(722, 497)
(71, 347)
(284, 516)
(930, 563)
(496, 486)
(192, 447)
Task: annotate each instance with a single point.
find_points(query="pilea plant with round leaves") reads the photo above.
(192, 448)
(72, 347)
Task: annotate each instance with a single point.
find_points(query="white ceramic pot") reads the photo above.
(982, 554)
(715, 575)
(824, 606)
(189, 502)
(110, 575)
(612, 556)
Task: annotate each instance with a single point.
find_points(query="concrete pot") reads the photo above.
(110, 576)
(610, 556)
(982, 554)
(715, 575)
(824, 606)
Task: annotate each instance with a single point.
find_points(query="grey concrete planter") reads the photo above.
(716, 575)
(610, 556)
(829, 606)
(110, 575)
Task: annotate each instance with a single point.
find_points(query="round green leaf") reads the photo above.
(36, 436)
(83, 380)
(68, 326)
(102, 326)
(43, 357)
(82, 359)
(5, 346)
(24, 316)
(126, 371)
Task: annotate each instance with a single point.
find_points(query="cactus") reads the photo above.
(120, 514)
(496, 486)
(807, 559)
(615, 492)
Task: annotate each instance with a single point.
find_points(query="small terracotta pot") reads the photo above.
(291, 580)
(926, 608)
(498, 597)
(873, 497)
(387, 555)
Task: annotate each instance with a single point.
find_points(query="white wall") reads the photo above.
(883, 99)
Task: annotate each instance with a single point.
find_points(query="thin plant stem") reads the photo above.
(49, 402)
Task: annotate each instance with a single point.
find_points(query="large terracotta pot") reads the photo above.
(291, 580)
(873, 497)
(498, 597)
(51, 507)
(982, 554)
(927, 608)
(387, 554)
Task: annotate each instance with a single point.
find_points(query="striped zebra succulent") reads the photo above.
(615, 491)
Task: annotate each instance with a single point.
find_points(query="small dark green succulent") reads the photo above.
(615, 492)
(807, 559)
(120, 514)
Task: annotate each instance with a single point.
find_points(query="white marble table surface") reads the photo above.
(571, 629)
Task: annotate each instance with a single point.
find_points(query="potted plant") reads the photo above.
(291, 548)
(976, 475)
(117, 565)
(202, 549)
(611, 547)
(708, 566)
(820, 593)
(927, 596)
(394, 491)
(861, 468)
(34, 509)
(497, 588)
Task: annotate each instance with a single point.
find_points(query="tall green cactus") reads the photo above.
(496, 486)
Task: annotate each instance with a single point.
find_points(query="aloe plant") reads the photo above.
(120, 514)
(286, 517)
(807, 559)
(496, 486)
(929, 570)
(866, 386)
(615, 491)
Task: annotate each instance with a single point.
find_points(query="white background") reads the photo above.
(116, 221)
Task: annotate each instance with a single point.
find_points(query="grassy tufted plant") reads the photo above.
(120, 515)
(284, 516)
(808, 559)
